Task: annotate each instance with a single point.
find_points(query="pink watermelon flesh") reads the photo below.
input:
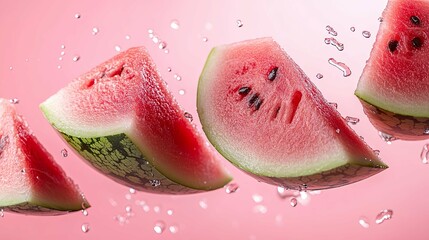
(121, 118)
(30, 180)
(394, 86)
(264, 115)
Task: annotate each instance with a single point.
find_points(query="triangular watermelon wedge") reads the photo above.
(122, 119)
(264, 115)
(394, 86)
(31, 182)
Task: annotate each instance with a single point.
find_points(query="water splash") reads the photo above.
(231, 188)
(331, 30)
(352, 120)
(424, 155)
(334, 42)
(366, 34)
(384, 215)
(342, 66)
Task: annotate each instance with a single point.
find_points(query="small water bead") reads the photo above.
(182, 92)
(121, 219)
(174, 24)
(166, 51)
(85, 212)
(59, 66)
(331, 30)
(128, 196)
(319, 76)
(155, 39)
(293, 202)
(257, 198)
(384, 215)
(85, 227)
(117, 48)
(203, 204)
(352, 120)
(14, 101)
(424, 155)
(173, 229)
(262, 209)
(77, 16)
(341, 66)
(426, 131)
(155, 182)
(127, 37)
(76, 58)
(157, 209)
(1, 212)
(386, 137)
(380, 19)
(132, 190)
(95, 31)
(159, 227)
(63, 46)
(60, 58)
(366, 34)
(11, 68)
(170, 212)
(177, 77)
(205, 39)
(62, 53)
(169, 69)
(113, 202)
(231, 188)
(162, 45)
(335, 105)
(64, 152)
(188, 116)
(239, 23)
(352, 29)
(363, 221)
(376, 152)
(334, 42)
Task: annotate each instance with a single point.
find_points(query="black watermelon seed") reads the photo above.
(258, 103)
(393, 45)
(273, 74)
(415, 20)
(417, 42)
(253, 99)
(244, 90)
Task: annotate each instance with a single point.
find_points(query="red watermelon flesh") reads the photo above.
(394, 86)
(121, 118)
(264, 115)
(31, 182)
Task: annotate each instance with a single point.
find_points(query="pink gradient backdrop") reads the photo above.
(32, 33)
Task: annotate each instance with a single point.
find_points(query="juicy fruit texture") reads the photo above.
(264, 115)
(394, 86)
(121, 118)
(30, 180)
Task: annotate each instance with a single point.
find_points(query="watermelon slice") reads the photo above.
(30, 180)
(394, 86)
(264, 115)
(121, 118)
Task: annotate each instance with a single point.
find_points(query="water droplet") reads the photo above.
(335, 105)
(342, 66)
(146, 208)
(95, 31)
(155, 182)
(169, 212)
(113, 202)
(293, 202)
(155, 39)
(77, 15)
(63, 46)
(380, 19)
(203, 204)
(174, 24)
(169, 69)
(366, 34)
(121, 219)
(231, 187)
(10, 68)
(128, 209)
(205, 39)
(188, 116)
(386, 137)
(14, 100)
(60, 58)
(128, 196)
(363, 221)
(132, 190)
(76, 58)
(157, 209)
(62, 53)
(376, 152)
(334, 42)
(1, 212)
(331, 30)
(149, 31)
(386, 214)
(85, 227)
(260, 209)
(173, 229)
(352, 29)
(117, 48)
(239, 23)
(59, 66)
(182, 92)
(162, 45)
(64, 152)
(426, 131)
(319, 76)
(257, 198)
(166, 51)
(337, 130)
(23, 171)
(424, 155)
(159, 227)
(352, 120)
(85, 212)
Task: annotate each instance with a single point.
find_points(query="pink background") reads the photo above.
(31, 35)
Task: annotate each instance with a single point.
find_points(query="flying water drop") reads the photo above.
(352, 120)
(366, 34)
(188, 116)
(334, 42)
(159, 227)
(64, 152)
(424, 155)
(331, 31)
(352, 29)
(85, 227)
(14, 100)
(239, 23)
(363, 221)
(231, 188)
(293, 202)
(95, 31)
(384, 215)
(174, 24)
(342, 66)
(319, 76)
(386, 137)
